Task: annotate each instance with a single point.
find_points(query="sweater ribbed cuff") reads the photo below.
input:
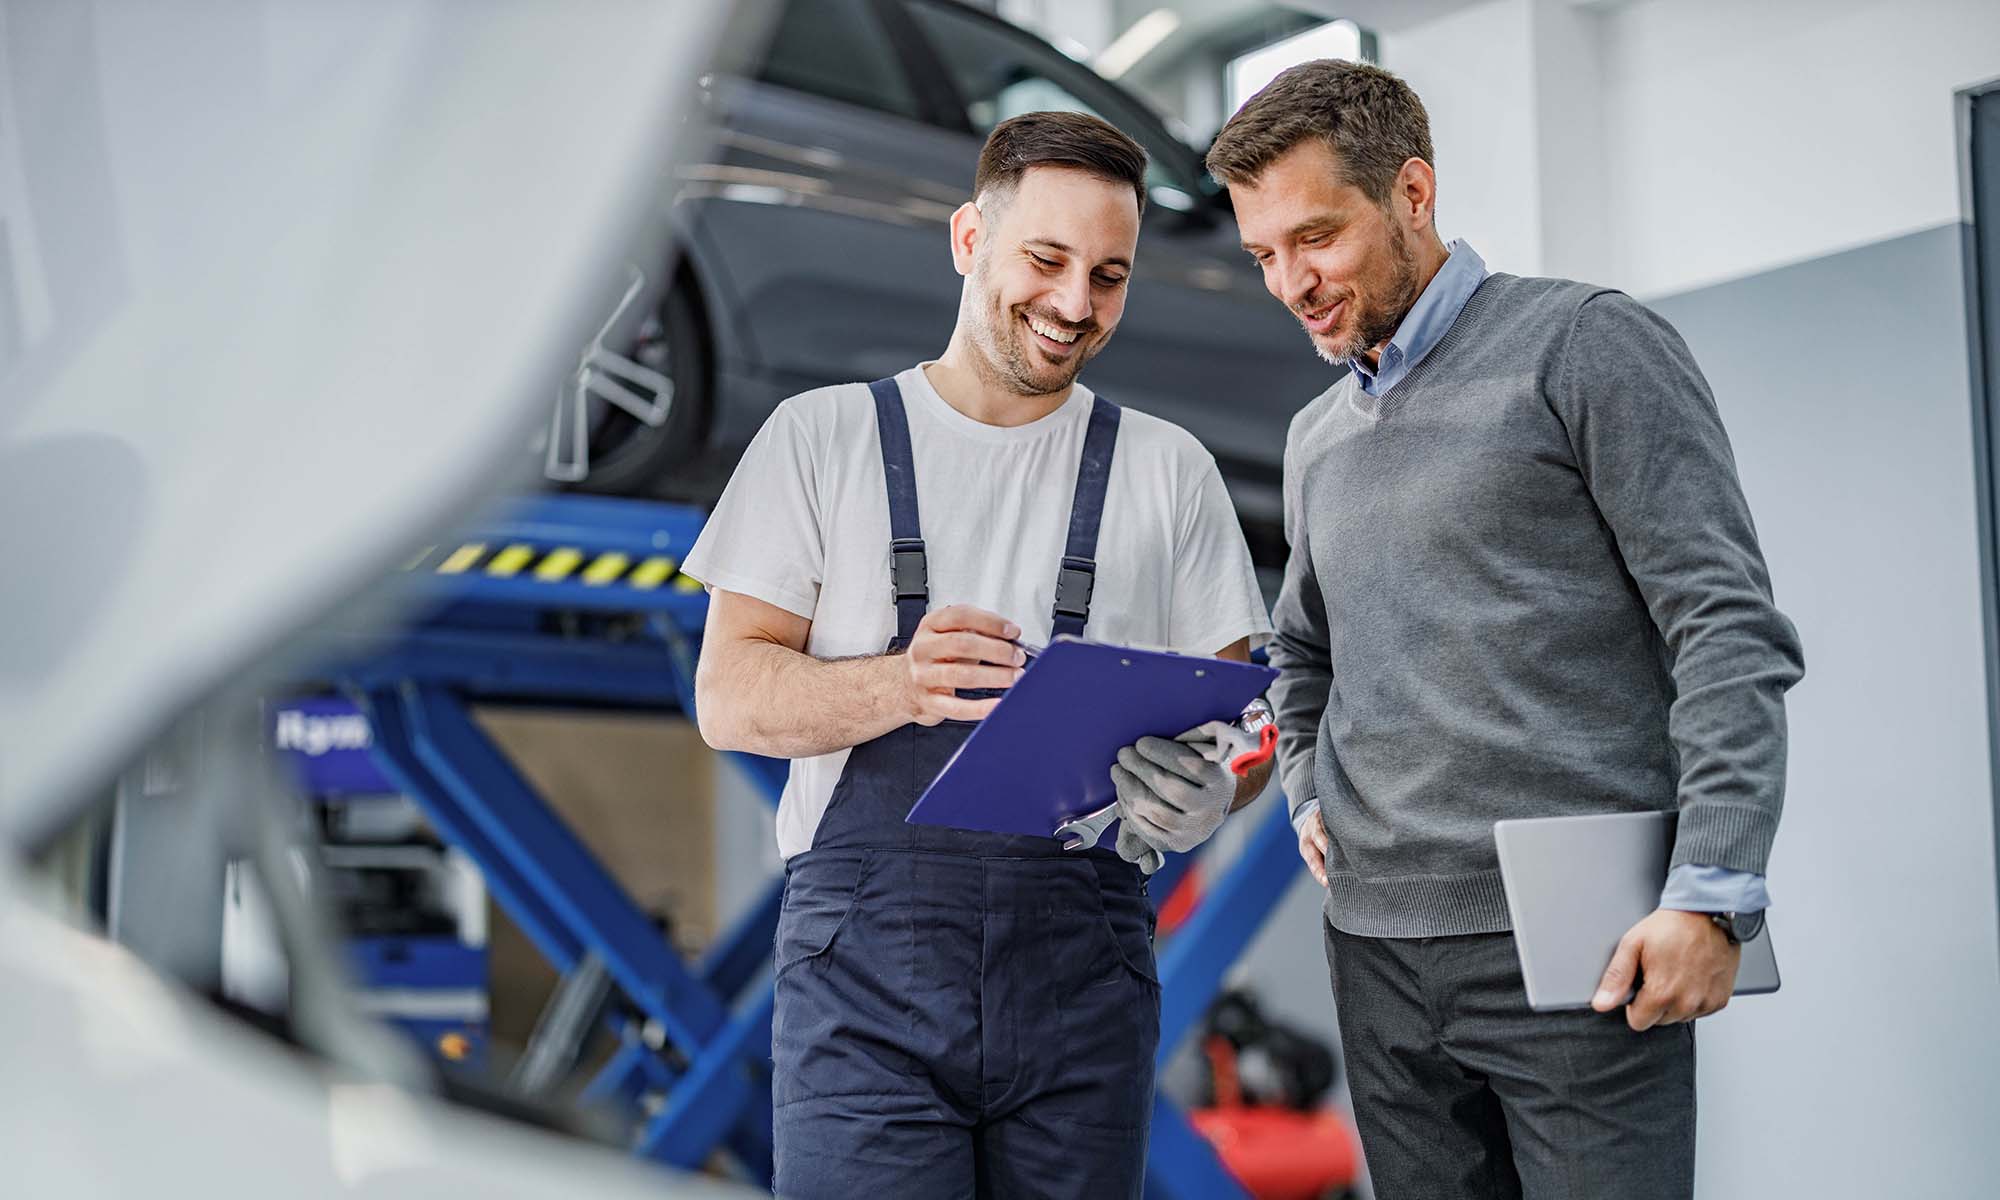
(1735, 836)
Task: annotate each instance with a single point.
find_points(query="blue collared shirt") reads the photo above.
(1691, 887)
(1428, 321)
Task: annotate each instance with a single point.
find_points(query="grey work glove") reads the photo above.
(1135, 849)
(1171, 794)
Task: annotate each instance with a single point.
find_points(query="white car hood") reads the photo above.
(284, 286)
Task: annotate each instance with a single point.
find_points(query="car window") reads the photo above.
(837, 49)
(1001, 74)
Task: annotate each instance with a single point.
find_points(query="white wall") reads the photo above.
(1750, 135)
(1662, 145)
(1570, 136)
(1472, 69)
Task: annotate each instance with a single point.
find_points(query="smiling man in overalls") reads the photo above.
(961, 1013)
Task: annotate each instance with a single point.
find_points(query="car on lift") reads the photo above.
(813, 251)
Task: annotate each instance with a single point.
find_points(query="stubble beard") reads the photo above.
(1003, 356)
(1378, 318)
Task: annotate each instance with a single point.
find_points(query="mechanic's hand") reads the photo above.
(959, 646)
(1169, 794)
(1686, 966)
(1313, 844)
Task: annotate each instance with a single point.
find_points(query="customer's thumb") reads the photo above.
(1616, 985)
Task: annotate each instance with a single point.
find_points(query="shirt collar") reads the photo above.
(1428, 320)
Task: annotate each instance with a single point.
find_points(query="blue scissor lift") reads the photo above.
(578, 600)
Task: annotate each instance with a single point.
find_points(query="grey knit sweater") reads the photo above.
(1524, 583)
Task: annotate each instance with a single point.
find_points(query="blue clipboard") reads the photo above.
(1044, 754)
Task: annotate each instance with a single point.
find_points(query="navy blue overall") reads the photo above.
(959, 1013)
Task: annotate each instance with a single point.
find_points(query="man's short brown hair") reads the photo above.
(1371, 120)
(1059, 139)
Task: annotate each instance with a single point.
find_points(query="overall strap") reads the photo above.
(909, 575)
(1078, 573)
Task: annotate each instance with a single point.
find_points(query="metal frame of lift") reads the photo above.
(578, 600)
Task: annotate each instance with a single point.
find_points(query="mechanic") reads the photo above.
(964, 1013)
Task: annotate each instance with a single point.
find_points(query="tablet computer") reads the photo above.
(1575, 885)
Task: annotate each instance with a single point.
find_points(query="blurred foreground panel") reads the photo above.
(283, 286)
(120, 1087)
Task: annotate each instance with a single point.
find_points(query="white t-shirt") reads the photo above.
(804, 525)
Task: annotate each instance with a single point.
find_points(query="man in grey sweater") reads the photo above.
(1523, 583)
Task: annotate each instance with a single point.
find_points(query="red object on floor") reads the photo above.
(1280, 1153)
(1276, 1153)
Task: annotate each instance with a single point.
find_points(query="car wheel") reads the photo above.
(629, 457)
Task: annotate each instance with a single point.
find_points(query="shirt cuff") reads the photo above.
(1301, 811)
(1698, 887)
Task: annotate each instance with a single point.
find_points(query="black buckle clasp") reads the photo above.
(909, 571)
(1074, 583)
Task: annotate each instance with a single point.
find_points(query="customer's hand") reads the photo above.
(1685, 966)
(1313, 843)
(1169, 793)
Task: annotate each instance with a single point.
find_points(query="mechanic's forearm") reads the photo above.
(763, 698)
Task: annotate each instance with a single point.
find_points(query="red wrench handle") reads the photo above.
(1267, 745)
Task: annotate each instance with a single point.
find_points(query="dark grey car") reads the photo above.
(814, 251)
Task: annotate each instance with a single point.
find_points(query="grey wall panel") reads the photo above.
(1876, 1071)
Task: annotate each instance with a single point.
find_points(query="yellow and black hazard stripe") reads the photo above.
(555, 564)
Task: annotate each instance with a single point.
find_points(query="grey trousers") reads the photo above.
(1461, 1090)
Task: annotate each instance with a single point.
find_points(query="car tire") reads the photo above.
(631, 458)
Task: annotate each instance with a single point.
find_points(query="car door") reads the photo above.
(823, 214)
(1201, 344)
